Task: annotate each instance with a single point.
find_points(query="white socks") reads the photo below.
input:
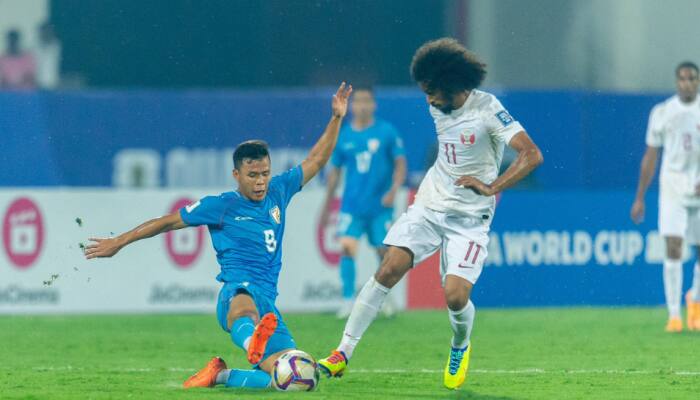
(673, 286)
(695, 289)
(462, 322)
(367, 305)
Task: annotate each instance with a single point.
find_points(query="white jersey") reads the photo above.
(470, 142)
(675, 126)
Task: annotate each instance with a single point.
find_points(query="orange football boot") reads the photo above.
(263, 331)
(206, 377)
(693, 316)
(674, 325)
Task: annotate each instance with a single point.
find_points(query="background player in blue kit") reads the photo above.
(371, 152)
(247, 228)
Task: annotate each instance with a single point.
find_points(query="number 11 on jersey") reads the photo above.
(450, 153)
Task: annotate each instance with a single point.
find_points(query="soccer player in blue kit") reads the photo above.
(371, 152)
(246, 228)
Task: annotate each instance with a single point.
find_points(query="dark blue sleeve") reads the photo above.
(207, 211)
(289, 183)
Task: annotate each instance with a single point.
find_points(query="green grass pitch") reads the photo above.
(556, 353)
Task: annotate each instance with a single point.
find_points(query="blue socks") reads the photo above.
(250, 378)
(347, 276)
(241, 331)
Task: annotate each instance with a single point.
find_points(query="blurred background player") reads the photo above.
(674, 125)
(371, 152)
(247, 228)
(455, 203)
(17, 67)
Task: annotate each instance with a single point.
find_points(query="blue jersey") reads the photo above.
(368, 158)
(247, 235)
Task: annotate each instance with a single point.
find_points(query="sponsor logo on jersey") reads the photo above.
(373, 145)
(276, 215)
(239, 218)
(467, 140)
(504, 117)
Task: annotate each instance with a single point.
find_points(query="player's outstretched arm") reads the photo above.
(322, 150)
(529, 157)
(107, 247)
(646, 174)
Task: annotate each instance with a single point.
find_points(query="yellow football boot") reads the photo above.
(333, 365)
(456, 368)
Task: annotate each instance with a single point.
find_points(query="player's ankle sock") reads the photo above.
(462, 322)
(222, 376)
(673, 286)
(241, 331)
(695, 289)
(249, 378)
(347, 276)
(367, 305)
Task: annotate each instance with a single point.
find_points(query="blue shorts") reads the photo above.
(281, 340)
(375, 227)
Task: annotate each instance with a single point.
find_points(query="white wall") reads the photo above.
(24, 15)
(603, 44)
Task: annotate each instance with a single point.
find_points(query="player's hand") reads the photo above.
(102, 248)
(637, 213)
(388, 198)
(339, 105)
(469, 182)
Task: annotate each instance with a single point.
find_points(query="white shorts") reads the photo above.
(677, 219)
(463, 241)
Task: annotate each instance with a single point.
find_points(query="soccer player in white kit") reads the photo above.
(455, 202)
(675, 125)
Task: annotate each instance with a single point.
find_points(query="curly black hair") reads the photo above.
(445, 65)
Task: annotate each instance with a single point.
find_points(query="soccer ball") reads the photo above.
(295, 371)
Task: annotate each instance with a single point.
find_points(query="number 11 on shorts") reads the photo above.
(472, 252)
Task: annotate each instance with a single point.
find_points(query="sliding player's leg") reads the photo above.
(411, 240)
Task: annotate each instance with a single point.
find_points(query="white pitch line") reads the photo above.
(525, 371)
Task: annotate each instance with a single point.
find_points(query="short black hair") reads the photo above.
(687, 64)
(250, 149)
(444, 64)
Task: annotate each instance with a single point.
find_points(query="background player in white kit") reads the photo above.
(675, 125)
(455, 202)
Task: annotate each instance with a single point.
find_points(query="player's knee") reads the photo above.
(673, 251)
(674, 247)
(394, 265)
(457, 292)
(348, 247)
(456, 300)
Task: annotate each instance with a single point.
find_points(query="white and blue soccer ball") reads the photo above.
(295, 371)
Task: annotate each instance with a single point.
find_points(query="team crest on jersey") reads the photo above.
(276, 215)
(467, 140)
(504, 117)
(373, 145)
